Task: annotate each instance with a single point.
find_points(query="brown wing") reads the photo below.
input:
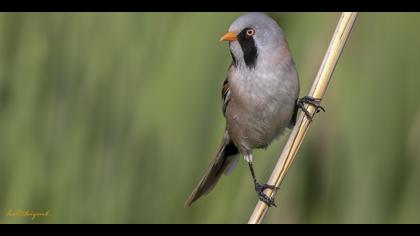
(226, 92)
(225, 95)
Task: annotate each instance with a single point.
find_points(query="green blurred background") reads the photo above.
(113, 118)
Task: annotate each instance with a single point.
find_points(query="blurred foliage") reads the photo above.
(113, 118)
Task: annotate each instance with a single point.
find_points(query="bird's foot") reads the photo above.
(259, 188)
(310, 101)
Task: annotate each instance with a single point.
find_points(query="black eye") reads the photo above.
(250, 32)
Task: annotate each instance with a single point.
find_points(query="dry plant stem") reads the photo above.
(318, 90)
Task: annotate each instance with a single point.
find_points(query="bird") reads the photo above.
(259, 98)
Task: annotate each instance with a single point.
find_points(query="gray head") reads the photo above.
(252, 37)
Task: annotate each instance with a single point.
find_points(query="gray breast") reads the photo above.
(261, 107)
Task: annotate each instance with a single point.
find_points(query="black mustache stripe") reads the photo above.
(248, 48)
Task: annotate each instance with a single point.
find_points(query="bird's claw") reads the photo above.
(259, 188)
(310, 101)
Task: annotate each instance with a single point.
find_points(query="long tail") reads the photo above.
(224, 162)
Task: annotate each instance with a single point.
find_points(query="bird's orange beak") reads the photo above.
(229, 36)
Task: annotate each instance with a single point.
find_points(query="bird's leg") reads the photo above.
(259, 188)
(310, 101)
